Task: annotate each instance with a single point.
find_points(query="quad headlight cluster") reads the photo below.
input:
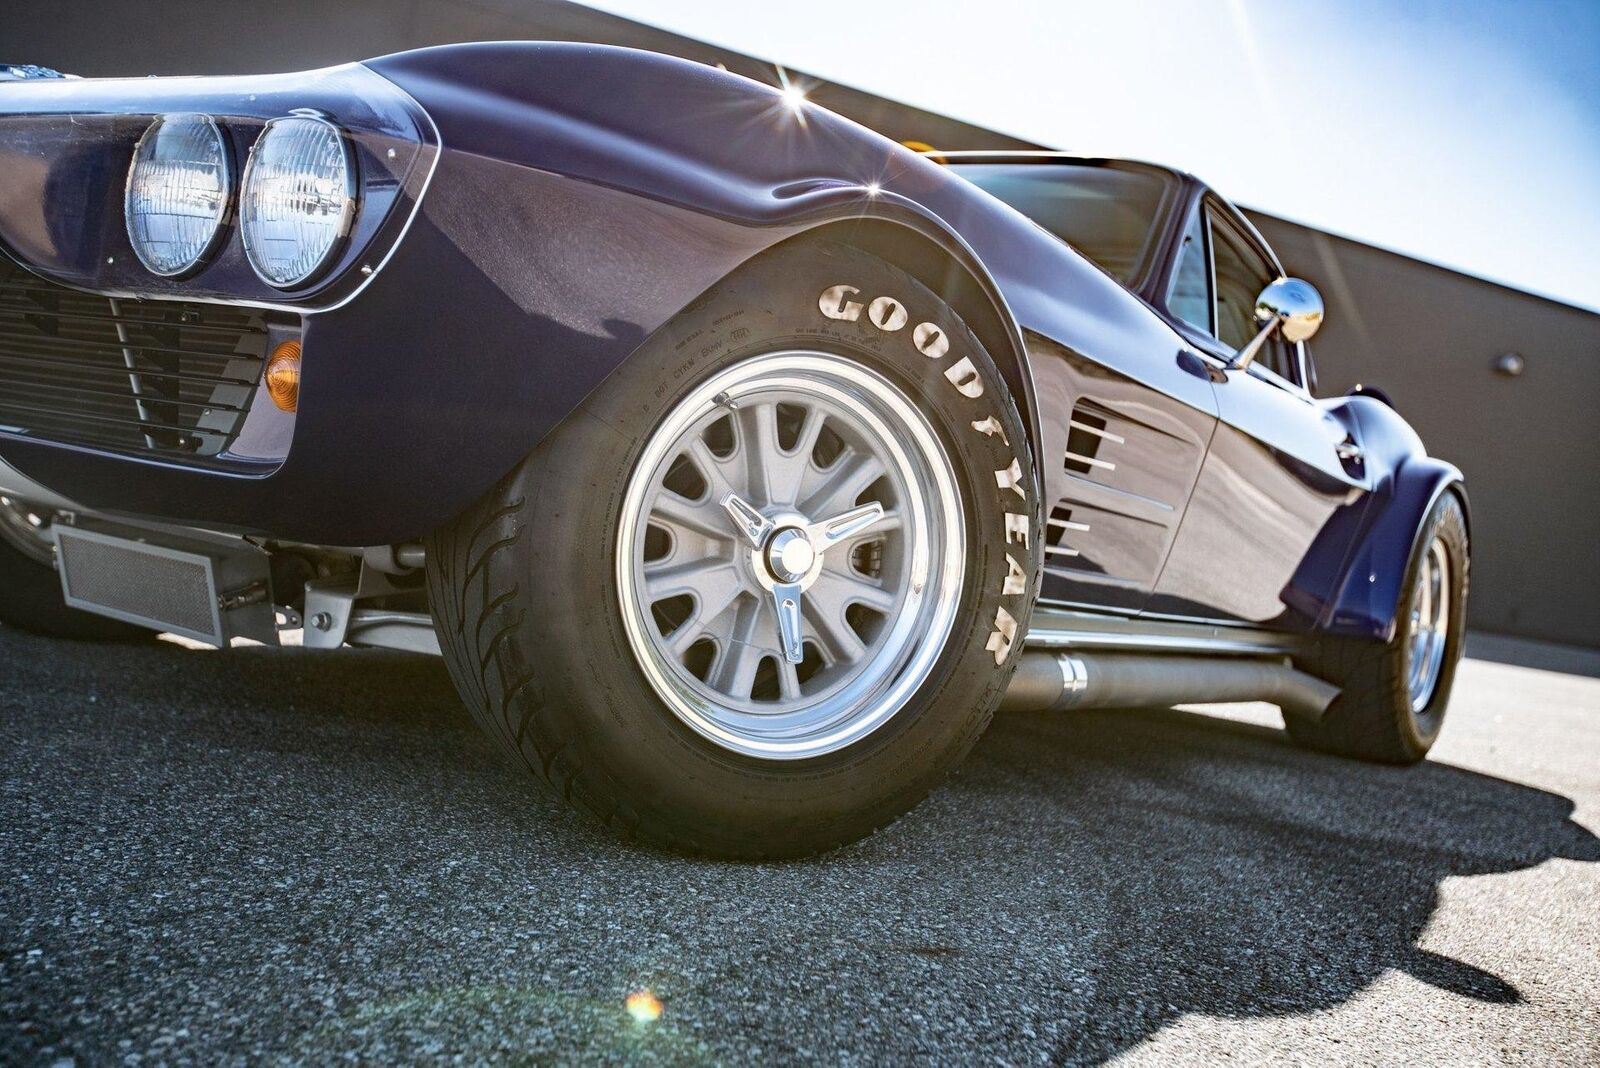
(295, 203)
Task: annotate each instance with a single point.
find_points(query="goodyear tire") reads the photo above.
(765, 588)
(30, 589)
(1395, 694)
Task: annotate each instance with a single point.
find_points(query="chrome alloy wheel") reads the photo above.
(1430, 625)
(790, 555)
(27, 528)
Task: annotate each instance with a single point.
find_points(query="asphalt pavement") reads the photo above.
(279, 855)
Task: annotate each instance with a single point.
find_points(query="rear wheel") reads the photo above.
(767, 586)
(30, 589)
(1394, 695)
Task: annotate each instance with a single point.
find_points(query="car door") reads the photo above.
(1274, 511)
(1123, 441)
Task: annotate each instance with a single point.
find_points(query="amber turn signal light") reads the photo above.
(283, 376)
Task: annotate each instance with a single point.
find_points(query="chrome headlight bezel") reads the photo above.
(204, 249)
(249, 220)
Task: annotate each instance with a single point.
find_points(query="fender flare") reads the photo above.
(1368, 597)
(983, 306)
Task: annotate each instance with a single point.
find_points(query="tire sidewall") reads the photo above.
(629, 733)
(1420, 729)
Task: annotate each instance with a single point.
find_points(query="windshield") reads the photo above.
(1106, 213)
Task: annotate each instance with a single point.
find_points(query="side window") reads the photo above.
(1241, 275)
(1190, 299)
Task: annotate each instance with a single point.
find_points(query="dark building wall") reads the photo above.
(1426, 334)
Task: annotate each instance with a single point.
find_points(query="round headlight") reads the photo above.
(177, 193)
(297, 200)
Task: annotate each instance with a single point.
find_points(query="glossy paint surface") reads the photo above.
(585, 195)
(1266, 502)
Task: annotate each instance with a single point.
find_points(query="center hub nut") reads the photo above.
(790, 555)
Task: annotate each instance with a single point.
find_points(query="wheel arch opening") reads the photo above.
(936, 267)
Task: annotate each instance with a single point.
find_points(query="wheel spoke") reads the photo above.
(788, 681)
(758, 447)
(735, 672)
(712, 467)
(689, 631)
(843, 483)
(841, 641)
(1430, 625)
(827, 602)
(711, 582)
(781, 473)
(840, 589)
(676, 513)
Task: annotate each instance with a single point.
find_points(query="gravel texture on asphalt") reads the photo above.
(279, 855)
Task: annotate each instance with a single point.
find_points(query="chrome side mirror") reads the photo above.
(1290, 305)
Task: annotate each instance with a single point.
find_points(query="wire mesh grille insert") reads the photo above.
(124, 375)
(166, 589)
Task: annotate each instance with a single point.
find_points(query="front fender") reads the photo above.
(582, 197)
(1407, 485)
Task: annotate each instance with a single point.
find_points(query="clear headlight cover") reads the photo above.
(297, 200)
(178, 190)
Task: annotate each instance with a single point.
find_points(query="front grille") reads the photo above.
(151, 377)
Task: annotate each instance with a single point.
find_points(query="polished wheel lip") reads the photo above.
(1428, 634)
(898, 660)
(17, 526)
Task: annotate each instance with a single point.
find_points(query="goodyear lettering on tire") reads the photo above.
(890, 316)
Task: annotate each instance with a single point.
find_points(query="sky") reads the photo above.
(1465, 133)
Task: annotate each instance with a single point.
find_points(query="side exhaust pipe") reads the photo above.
(1052, 681)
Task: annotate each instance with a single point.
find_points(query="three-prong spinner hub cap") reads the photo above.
(790, 554)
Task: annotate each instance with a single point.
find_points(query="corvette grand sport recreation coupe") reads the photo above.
(739, 462)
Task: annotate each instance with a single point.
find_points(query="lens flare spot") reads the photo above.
(643, 1006)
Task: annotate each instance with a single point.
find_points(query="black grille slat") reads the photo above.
(70, 414)
(109, 344)
(149, 398)
(122, 374)
(126, 319)
(70, 368)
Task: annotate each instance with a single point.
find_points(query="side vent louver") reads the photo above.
(1086, 436)
(1056, 529)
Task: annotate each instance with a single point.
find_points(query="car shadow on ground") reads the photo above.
(1083, 881)
(1245, 877)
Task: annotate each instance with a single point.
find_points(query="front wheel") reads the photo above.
(1395, 694)
(767, 586)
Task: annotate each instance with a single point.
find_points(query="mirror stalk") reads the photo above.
(1246, 356)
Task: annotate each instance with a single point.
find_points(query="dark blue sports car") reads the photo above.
(740, 462)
